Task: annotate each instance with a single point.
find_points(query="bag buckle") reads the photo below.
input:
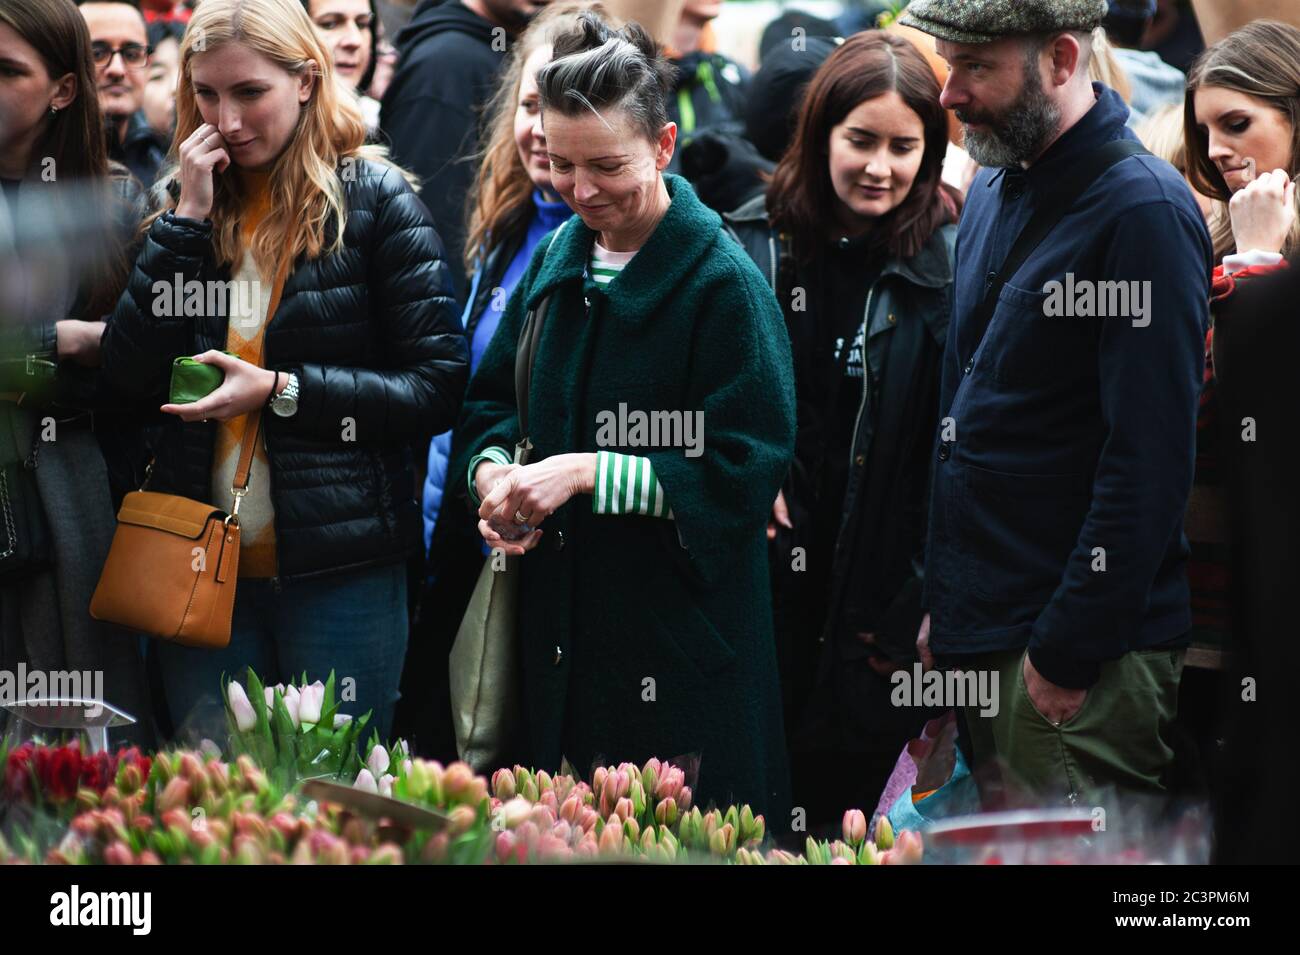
(239, 493)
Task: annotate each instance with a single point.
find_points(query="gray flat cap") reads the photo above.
(983, 21)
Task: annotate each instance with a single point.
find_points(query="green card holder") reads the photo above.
(192, 380)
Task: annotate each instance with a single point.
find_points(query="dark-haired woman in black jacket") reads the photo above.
(361, 359)
(856, 235)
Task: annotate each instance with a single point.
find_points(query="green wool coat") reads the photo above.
(642, 636)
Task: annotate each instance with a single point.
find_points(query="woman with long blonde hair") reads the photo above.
(274, 194)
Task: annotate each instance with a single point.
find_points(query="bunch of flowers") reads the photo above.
(54, 775)
(295, 732)
(210, 812)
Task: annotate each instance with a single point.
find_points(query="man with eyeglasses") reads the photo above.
(120, 47)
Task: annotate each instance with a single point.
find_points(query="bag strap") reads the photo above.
(253, 427)
(526, 353)
(1056, 203)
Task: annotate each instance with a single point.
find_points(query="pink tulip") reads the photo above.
(292, 701)
(571, 808)
(611, 839)
(670, 784)
(245, 718)
(855, 827)
(908, 848)
(377, 762)
(503, 784)
(386, 785)
(623, 808)
(118, 854)
(457, 780)
(176, 795)
(366, 782)
(515, 811)
(310, 702)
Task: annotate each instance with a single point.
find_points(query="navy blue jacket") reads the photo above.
(1064, 459)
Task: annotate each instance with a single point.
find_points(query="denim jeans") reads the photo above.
(354, 624)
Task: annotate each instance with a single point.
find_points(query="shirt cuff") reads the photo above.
(626, 484)
(496, 456)
(1251, 257)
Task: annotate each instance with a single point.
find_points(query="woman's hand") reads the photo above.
(202, 153)
(79, 341)
(246, 388)
(780, 515)
(1263, 212)
(528, 495)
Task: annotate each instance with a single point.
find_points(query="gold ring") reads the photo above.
(520, 519)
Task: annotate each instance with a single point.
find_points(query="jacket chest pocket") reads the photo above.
(1027, 346)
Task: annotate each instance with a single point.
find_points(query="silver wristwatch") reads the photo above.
(285, 403)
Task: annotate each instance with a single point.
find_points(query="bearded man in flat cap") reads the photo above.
(1064, 457)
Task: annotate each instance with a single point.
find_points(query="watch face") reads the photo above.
(284, 406)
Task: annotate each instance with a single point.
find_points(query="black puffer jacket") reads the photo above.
(373, 335)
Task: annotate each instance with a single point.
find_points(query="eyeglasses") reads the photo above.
(134, 55)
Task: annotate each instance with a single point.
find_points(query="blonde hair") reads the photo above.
(306, 192)
(499, 204)
(1105, 68)
(1261, 60)
(1162, 134)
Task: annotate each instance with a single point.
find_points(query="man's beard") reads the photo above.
(1019, 134)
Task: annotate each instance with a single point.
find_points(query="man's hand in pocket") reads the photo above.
(1056, 703)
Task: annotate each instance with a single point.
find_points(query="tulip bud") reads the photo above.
(366, 782)
(176, 795)
(648, 843)
(732, 817)
(310, 702)
(118, 854)
(387, 854)
(462, 819)
(611, 839)
(542, 817)
(528, 788)
(884, 833)
(503, 784)
(623, 809)
(598, 779)
(731, 833)
(908, 848)
(544, 781)
(632, 829)
(650, 773)
(386, 785)
(245, 718)
(854, 826)
(378, 761)
(746, 826)
(456, 781)
(419, 780)
(341, 719)
(247, 851)
(718, 843)
(684, 798)
(435, 850)
(570, 808)
(291, 703)
(868, 854)
(666, 812)
(515, 811)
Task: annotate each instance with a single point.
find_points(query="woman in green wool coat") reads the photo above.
(645, 614)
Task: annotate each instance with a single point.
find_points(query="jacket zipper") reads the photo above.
(866, 374)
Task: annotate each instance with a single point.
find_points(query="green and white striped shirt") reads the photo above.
(605, 265)
(625, 483)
